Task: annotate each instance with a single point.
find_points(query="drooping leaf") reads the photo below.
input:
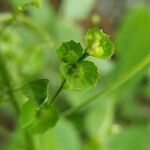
(36, 90)
(98, 44)
(35, 120)
(69, 52)
(80, 76)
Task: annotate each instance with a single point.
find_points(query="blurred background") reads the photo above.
(118, 121)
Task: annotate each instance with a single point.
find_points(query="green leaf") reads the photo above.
(80, 76)
(63, 137)
(36, 90)
(46, 118)
(69, 52)
(37, 120)
(98, 44)
(27, 114)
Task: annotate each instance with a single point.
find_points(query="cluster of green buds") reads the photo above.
(81, 74)
(98, 44)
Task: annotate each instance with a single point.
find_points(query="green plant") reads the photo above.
(78, 73)
(38, 114)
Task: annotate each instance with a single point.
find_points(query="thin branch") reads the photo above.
(58, 92)
(85, 54)
(6, 79)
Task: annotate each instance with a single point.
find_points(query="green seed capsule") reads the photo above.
(98, 44)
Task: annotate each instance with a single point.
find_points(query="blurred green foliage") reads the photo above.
(118, 121)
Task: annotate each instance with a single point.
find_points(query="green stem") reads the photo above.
(58, 92)
(85, 54)
(114, 86)
(6, 79)
(64, 81)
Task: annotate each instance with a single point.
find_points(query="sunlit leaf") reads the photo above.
(69, 52)
(80, 76)
(36, 90)
(98, 44)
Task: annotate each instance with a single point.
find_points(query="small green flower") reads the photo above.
(69, 52)
(81, 76)
(98, 44)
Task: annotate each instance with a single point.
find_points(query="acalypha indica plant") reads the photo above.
(39, 113)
